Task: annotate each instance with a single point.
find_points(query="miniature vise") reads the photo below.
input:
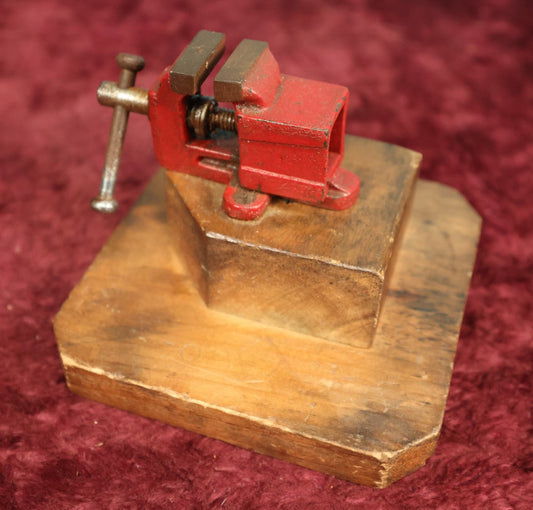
(319, 336)
(284, 135)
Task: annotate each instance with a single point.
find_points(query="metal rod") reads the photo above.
(105, 201)
(134, 99)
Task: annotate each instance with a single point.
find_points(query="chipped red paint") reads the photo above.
(290, 140)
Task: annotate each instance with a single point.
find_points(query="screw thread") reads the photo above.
(223, 119)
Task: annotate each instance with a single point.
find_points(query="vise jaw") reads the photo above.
(282, 136)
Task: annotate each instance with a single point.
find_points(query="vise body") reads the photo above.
(282, 136)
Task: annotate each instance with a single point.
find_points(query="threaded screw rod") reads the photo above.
(205, 116)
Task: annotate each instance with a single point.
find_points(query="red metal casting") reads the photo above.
(289, 138)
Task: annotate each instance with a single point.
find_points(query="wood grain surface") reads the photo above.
(311, 270)
(136, 334)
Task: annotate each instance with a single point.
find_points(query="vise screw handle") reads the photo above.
(105, 201)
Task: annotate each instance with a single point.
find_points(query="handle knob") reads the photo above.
(130, 62)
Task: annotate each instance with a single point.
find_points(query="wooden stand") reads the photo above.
(136, 334)
(314, 271)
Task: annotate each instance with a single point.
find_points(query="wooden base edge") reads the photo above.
(364, 468)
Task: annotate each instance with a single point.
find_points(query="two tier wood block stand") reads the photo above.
(284, 360)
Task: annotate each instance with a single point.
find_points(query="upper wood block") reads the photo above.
(196, 62)
(314, 271)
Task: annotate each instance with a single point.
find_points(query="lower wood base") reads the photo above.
(135, 334)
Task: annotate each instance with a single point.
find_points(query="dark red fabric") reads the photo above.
(451, 79)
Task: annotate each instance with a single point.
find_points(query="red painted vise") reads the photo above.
(283, 136)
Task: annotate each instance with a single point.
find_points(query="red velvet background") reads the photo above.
(451, 79)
